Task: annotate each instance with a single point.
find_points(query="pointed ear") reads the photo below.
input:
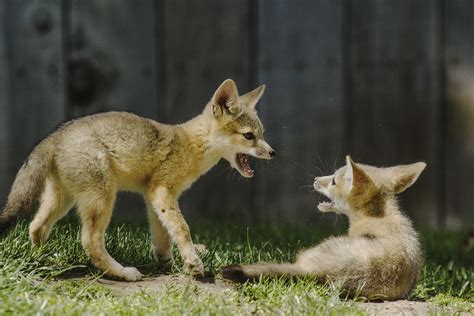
(226, 99)
(251, 98)
(361, 181)
(404, 176)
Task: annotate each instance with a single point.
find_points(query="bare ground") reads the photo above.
(160, 283)
(218, 286)
(405, 307)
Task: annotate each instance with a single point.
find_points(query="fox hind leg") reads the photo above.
(95, 212)
(55, 203)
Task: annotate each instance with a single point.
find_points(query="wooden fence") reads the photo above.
(388, 81)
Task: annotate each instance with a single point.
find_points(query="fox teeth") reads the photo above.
(326, 204)
(244, 165)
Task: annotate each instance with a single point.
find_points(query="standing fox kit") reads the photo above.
(380, 257)
(86, 161)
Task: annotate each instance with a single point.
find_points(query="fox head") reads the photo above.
(362, 189)
(236, 128)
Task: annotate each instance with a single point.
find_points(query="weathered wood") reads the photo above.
(203, 43)
(35, 77)
(300, 59)
(459, 120)
(5, 169)
(341, 77)
(111, 64)
(111, 57)
(394, 92)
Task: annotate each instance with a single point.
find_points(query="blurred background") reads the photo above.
(388, 81)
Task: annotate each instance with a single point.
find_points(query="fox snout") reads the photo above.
(268, 155)
(316, 184)
(264, 151)
(271, 153)
(320, 182)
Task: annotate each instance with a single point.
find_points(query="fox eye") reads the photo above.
(249, 135)
(333, 180)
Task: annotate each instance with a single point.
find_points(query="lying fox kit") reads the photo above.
(380, 257)
(85, 162)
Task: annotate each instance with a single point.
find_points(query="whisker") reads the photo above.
(322, 215)
(335, 160)
(320, 171)
(321, 162)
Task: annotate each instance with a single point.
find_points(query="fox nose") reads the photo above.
(316, 183)
(272, 153)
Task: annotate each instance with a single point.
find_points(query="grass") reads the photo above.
(29, 275)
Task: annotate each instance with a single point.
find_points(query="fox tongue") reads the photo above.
(245, 164)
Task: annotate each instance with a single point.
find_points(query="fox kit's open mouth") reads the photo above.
(243, 165)
(325, 205)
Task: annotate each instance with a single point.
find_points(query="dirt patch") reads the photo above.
(404, 308)
(161, 283)
(218, 286)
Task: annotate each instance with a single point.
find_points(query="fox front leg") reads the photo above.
(167, 209)
(160, 238)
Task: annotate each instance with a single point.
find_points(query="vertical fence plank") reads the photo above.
(35, 76)
(111, 65)
(394, 94)
(4, 128)
(204, 42)
(300, 59)
(459, 54)
(111, 57)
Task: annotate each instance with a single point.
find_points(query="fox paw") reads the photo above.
(166, 257)
(194, 266)
(131, 274)
(38, 235)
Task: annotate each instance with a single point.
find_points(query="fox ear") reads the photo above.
(403, 177)
(251, 98)
(225, 99)
(361, 181)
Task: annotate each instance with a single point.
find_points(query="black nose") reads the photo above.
(272, 153)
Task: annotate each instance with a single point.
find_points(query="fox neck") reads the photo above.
(206, 150)
(392, 222)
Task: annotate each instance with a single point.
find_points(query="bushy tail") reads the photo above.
(27, 187)
(242, 273)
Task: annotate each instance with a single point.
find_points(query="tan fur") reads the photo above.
(86, 161)
(380, 257)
